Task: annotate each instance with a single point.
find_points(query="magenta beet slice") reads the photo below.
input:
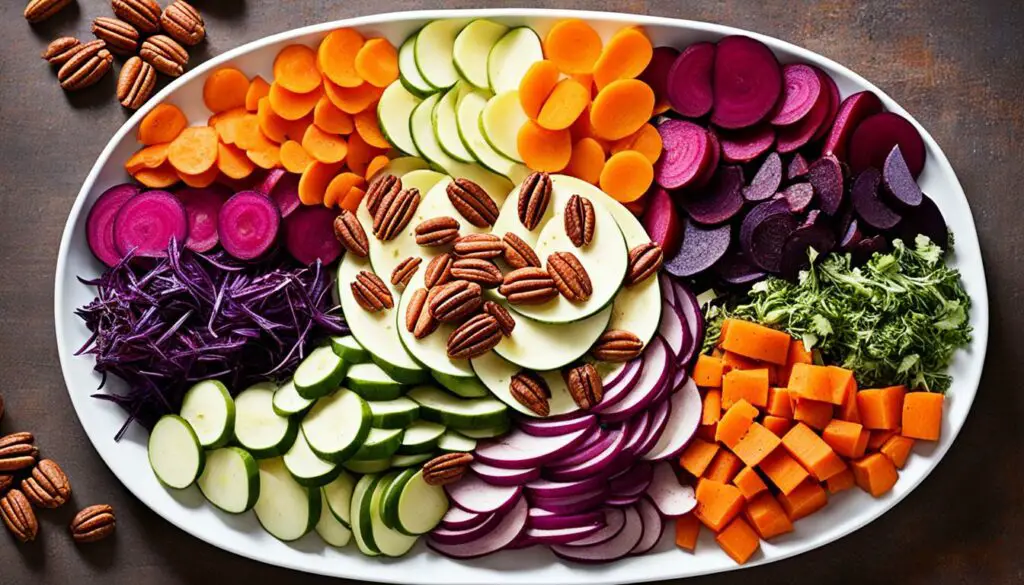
(801, 88)
(203, 206)
(797, 168)
(767, 180)
(797, 196)
(746, 82)
(273, 176)
(834, 99)
(99, 225)
(795, 136)
(662, 221)
(686, 153)
(285, 194)
(248, 225)
(689, 81)
(712, 167)
(875, 138)
(764, 231)
(309, 235)
(147, 223)
(898, 182)
(744, 146)
(814, 233)
(656, 74)
(852, 111)
(867, 203)
(720, 200)
(925, 219)
(701, 249)
(826, 176)
(851, 235)
(736, 269)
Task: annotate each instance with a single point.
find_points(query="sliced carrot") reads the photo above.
(161, 125)
(246, 132)
(329, 118)
(258, 89)
(707, 372)
(848, 410)
(756, 341)
(811, 382)
(646, 141)
(377, 62)
(767, 516)
(717, 503)
(846, 438)
(707, 432)
(806, 499)
(587, 161)
(841, 381)
(149, 157)
(194, 150)
(812, 452)
(294, 157)
(749, 482)
(587, 81)
(336, 57)
(687, 531)
(698, 456)
(376, 164)
(225, 89)
(922, 415)
(778, 425)
(897, 449)
(290, 105)
(268, 156)
(542, 149)
(813, 412)
(296, 129)
(324, 147)
(749, 385)
(626, 176)
(295, 69)
(735, 422)
(877, 438)
(203, 179)
(783, 471)
(735, 361)
(157, 178)
(756, 444)
(711, 411)
(738, 540)
(621, 108)
(273, 126)
(875, 474)
(369, 130)
(626, 55)
(314, 180)
(798, 354)
(222, 123)
(339, 187)
(352, 100)
(779, 403)
(723, 467)
(536, 85)
(353, 199)
(582, 128)
(566, 102)
(233, 162)
(881, 408)
(840, 481)
(573, 45)
(360, 154)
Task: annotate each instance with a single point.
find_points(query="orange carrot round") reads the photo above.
(329, 118)
(149, 157)
(258, 89)
(314, 180)
(573, 46)
(626, 176)
(360, 154)
(587, 160)
(194, 150)
(161, 125)
(268, 156)
(352, 100)
(377, 163)
(221, 123)
(158, 178)
(296, 129)
(377, 62)
(225, 89)
(369, 130)
(536, 86)
(295, 69)
(621, 108)
(625, 56)
(232, 161)
(246, 132)
(324, 147)
(203, 179)
(565, 104)
(290, 105)
(587, 81)
(542, 149)
(337, 57)
(352, 200)
(294, 158)
(340, 186)
(646, 141)
(273, 126)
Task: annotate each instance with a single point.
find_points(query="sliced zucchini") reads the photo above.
(320, 373)
(500, 122)
(469, 117)
(496, 373)
(433, 51)
(306, 467)
(511, 57)
(230, 480)
(389, 503)
(372, 383)
(421, 437)
(337, 425)
(408, 73)
(546, 346)
(487, 433)
(362, 530)
(393, 414)
(285, 509)
(380, 444)
(367, 466)
(330, 529)
(390, 543)
(400, 167)
(472, 47)
(421, 127)
(446, 128)
(420, 505)
(466, 387)
(411, 460)
(393, 110)
(175, 453)
(338, 495)
(258, 428)
(454, 442)
(210, 411)
(288, 402)
(439, 406)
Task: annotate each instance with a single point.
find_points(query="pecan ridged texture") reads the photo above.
(518, 253)
(351, 234)
(40, 10)
(447, 468)
(93, 523)
(456, 301)
(17, 451)
(135, 83)
(617, 345)
(505, 321)
(570, 276)
(60, 50)
(371, 293)
(380, 187)
(85, 67)
(142, 14)
(48, 486)
(485, 246)
(439, 270)
(530, 390)
(482, 272)
(17, 514)
(6, 482)
(121, 37)
(585, 386)
(534, 195)
(418, 319)
(644, 260)
(474, 338)
(394, 212)
(403, 273)
(165, 54)
(528, 286)
(183, 23)
(437, 231)
(579, 221)
(472, 202)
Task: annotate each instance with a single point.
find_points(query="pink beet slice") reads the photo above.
(99, 225)
(829, 86)
(203, 207)
(309, 235)
(248, 225)
(746, 145)
(286, 194)
(797, 167)
(686, 155)
(875, 138)
(689, 81)
(802, 88)
(662, 222)
(852, 112)
(712, 167)
(767, 180)
(746, 82)
(656, 75)
(147, 223)
(790, 138)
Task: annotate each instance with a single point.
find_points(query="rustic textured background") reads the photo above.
(955, 64)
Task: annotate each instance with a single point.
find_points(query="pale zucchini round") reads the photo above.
(466, 387)
(408, 73)
(487, 432)
(330, 529)
(500, 122)
(372, 383)
(364, 466)
(511, 57)
(433, 50)
(306, 467)
(380, 444)
(362, 530)
(455, 442)
(258, 428)
(175, 453)
(337, 425)
(389, 542)
(420, 437)
(411, 460)
(209, 409)
(393, 110)
(439, 406)
(338, 495)
(285, 509)
(287, 401)
(393, 414)
(320, 373)
(420, 505)
(469, 117)
(472, 47)
(445, 126)
(230, 480)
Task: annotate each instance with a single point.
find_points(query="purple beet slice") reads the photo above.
(826, 176)
(797, 168)
(898, 182)
(875, 138)
(248, 225)
(801, 89)
(767, 180)
(309, 235)
(656, 75)
(790, 138)
(852, 112)
(99, 225)
(797, 196)
(764, 232)
(925, 219)
(744, 146)
(867, 204)
(689, 81)
(734, 268)
(147, 223)
(851, 235)
(815, 233)
(834, 99)
(685, 156)
(203, 207)
(746, 82)
(701, 249)
(662, 221)
(719, 201)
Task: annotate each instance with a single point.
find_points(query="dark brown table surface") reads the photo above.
(955, 64)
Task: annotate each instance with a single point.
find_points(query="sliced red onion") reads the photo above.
(659, 418)
(456, 537)
(671, 497)
(473, 494)
(521, 541)
(552, 536)
(609, 550)
(594, 464)
(623, 386)
(668, 292)
(614, 522)
(519, 450)
(573, 504)
(458, 519)
(637, 430)
(672, 329)
(633, 481)
(558, 489)
(594, 444)
(657, 371)
(684, 416)
(504, 534)
(540, 427)
(504, 477)
(693, 318)
(541, 518)
(653, 526)
(623, 501)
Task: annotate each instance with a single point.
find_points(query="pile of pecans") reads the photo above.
(151, 38)
(43, 485)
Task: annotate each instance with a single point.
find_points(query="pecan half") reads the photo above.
(121, 37)
(371, 293)
(351, 234)
(437, 231)
(135, 83)
(482, 272)
(17, 451)
(502, 316)
(85, 67)
(394, 213)
(48, 487)
(439, 270)
(183, 23)
(579, 221)
(380, 186)
(528, 286)
(570, 276)
(40, 10)
(402, 273)
(530, 390)
(18, 516)
(518, 253)
(164, 53)
(585, 386)
(534, 195)
(142, 14)
(447, 468)
(6, 481)
(60, 50)
(474, 338)
(455, 301)
(418, 319)
(93, 523)
(472, 202)
(485, 246)
(644, 260)
(617, 345)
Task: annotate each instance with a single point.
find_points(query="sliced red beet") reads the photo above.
(662, 221)
(801, 88)
(701, 249)
(826, 176)
(719, 201)
(285, 194)
(203, 207)
(863, 250)
(712, 167)
(685, 156)
(657, 73)
(815, 233)
(868, 205)
(852, 112)
(875, 138)
(764, 232)
(795, 136)
(148, 222)
(834, 99)
(767, 180)
(309, 235)
(924, 219)
(746, 82)
(898, 182)
(248, 225)
(689, 81)
(99, 225)
(850, 236)
(270, 180)
(797, 196)
(797, 168)
(744, 146)
(736, 269)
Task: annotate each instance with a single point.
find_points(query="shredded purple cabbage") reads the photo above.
(164, 326)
